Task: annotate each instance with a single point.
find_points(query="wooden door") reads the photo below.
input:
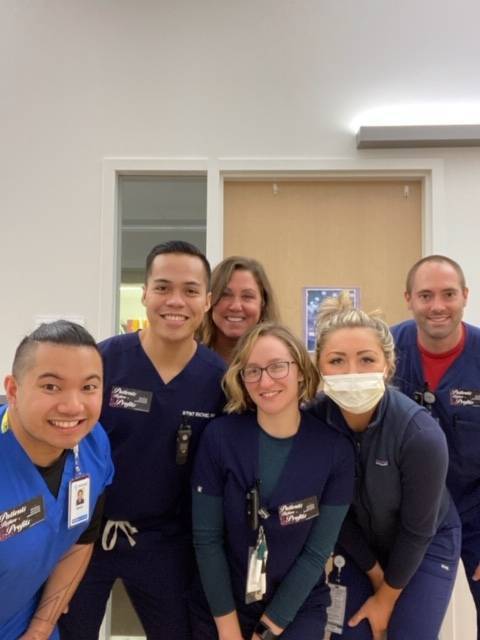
(328, 234)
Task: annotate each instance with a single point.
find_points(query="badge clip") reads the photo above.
(253, 506)
(339, 562)
(184, 435)
(425, 397)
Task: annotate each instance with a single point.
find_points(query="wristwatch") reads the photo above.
(264, 632)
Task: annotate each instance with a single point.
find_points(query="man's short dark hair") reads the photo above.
(434, 258)
(177, 246)
(60, 332)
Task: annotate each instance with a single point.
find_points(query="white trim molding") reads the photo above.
(112, 168)
(429, 170)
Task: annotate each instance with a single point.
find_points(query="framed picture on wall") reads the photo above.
(312, 299)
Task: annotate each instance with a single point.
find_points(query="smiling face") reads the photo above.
(240, 305)
(273, 397)
(56, 401)
(351, 350)
(437, 301)
(175, 296)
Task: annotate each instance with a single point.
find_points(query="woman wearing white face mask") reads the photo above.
(398, 550)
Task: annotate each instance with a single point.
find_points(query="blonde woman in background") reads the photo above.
(242, 297)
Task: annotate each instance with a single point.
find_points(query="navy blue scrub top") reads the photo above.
(320, 463)
(141, 415)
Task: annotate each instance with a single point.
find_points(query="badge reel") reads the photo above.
(338, 594)
(429, 397)
(257, 556)
(425, 397)
(78, 495)
(184, 435)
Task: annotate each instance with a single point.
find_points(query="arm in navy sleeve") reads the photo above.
(423, 463)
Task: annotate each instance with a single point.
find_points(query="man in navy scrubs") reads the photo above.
(161, 388)
(439, 366)
(51, 451)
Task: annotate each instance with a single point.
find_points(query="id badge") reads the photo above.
(78, 501)
(336, 611)
(256, 586)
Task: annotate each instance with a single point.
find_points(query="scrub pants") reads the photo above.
(471, 558)
(421, 607)
(156, 581)
(308, 624)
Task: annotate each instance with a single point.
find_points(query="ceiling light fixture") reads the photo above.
(458, 135)
(419, 125)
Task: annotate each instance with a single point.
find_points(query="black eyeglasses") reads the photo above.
(276, 371)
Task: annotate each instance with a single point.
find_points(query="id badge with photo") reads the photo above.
(78, 501)
(336, 611)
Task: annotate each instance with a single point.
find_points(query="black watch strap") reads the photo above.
(264, 632)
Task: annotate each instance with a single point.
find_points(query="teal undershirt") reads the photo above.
(272, 456)
(208, 539)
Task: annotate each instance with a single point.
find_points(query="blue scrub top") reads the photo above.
(28, 558)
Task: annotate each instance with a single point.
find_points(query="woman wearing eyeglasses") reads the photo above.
(271, 487)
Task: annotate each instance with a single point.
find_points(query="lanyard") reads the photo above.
(76, 462)
(78, 494)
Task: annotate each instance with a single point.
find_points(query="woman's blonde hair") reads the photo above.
(339, 313)
(233, 385)
(221, 276)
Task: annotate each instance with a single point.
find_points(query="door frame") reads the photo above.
(430, 171)
(109, 258)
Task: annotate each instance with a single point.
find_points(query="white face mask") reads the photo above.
(355, 392)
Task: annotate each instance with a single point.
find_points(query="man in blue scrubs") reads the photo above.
(51, 452)
(161, 388)
(439, 367)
